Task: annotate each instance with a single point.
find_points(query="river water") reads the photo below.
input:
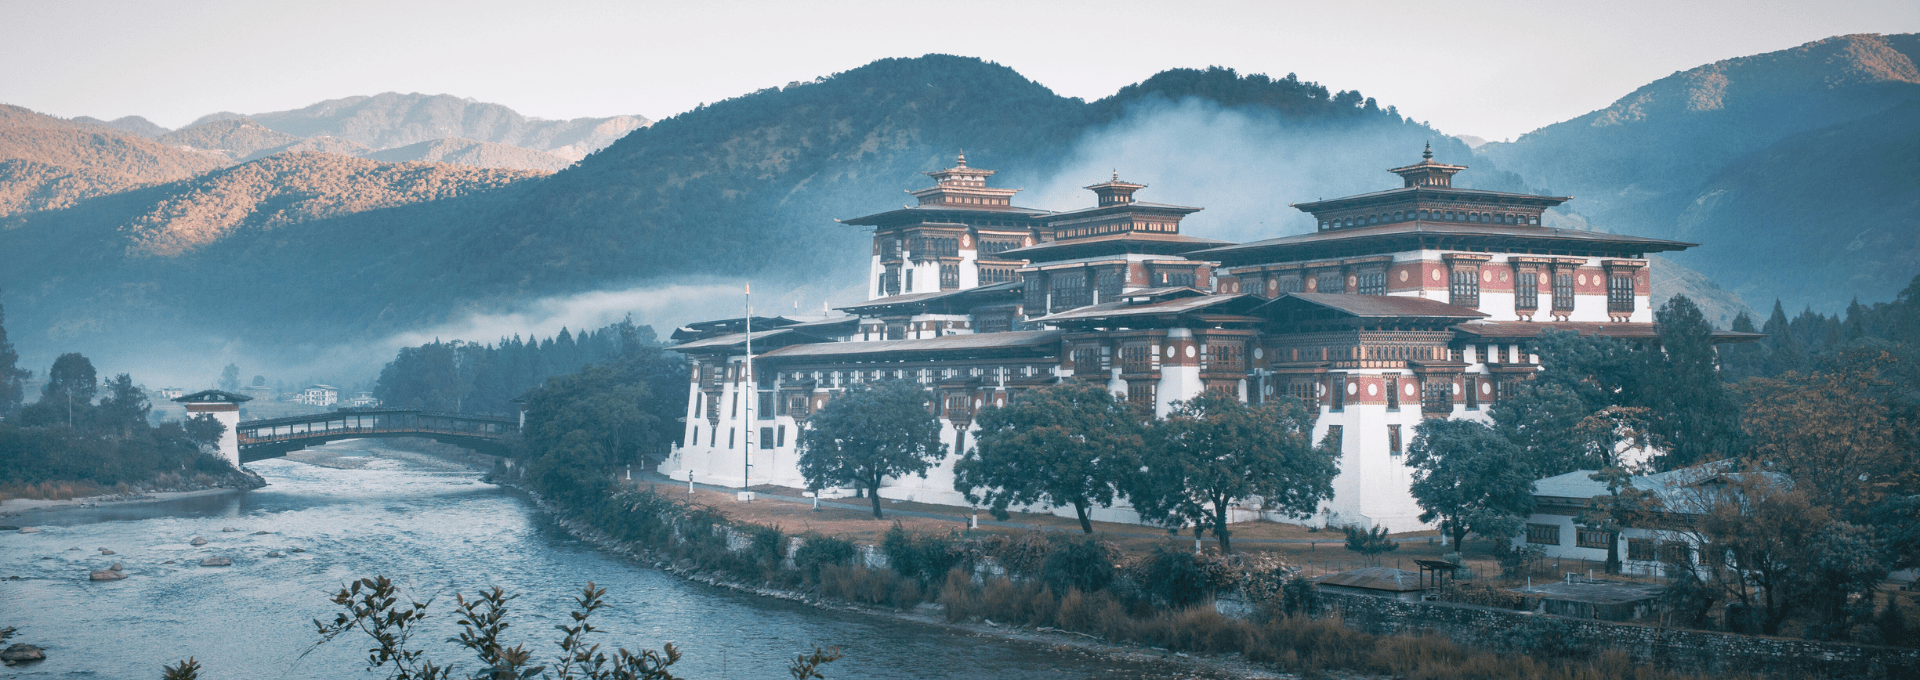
(438, 530)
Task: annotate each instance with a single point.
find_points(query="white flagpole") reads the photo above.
(753, 398)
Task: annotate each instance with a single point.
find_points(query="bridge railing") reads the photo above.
(374, 421)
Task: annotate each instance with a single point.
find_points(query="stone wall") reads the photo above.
(1691, 651)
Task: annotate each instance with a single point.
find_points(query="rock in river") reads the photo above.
(22, 653)
(228, 530)
(216, 562)
(199, 541)
(104, 551)
(260, 533)
(274, 553)
(107, 575)
(29, 530)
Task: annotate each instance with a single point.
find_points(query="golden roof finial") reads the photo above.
(1427, 155)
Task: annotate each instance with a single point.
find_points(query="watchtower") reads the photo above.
(223, 407)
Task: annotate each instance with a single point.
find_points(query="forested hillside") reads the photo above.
(1795, 169)
(390, 119)
(48, 163)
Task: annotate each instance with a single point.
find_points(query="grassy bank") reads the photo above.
(1162, 599)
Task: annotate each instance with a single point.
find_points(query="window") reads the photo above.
(996, 275)
(1226, 356)
(1436, 396)
(1140, 392)
(1289, 284)
(996, 246)
(1372, 283)
(696, 435)
(1306, 391)
(993, 323)
(1338, 434)
(1641, 550)
(1620, 293)
(1176, 279)
(909, 287)
(927, 247)
(729, 438)
(765, 410)
(1339, 394)
(1526, 290)
(1393, 439)
(1332, 282)
(796, 405)
(766, 438)
(1393, 393)
(1465, 290)
(1543, 534)
(949, 276)
(1676, 552)
(1503, 389)
(890, 281)
(736, 406)
(1069, 290)
(1563, 292)
(1588, 538)
(1473, 393)
(1110, 283)
(1086, 361)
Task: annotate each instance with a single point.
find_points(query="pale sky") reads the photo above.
(1487, 68)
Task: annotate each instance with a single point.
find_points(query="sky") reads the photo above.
(1491, 69)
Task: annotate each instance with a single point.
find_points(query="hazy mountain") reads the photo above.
(129, 124)
(308, 253)
(469, 152)
(391, 119)
(49, 163)
(236, 138)
(1825, 128)
(332, 145)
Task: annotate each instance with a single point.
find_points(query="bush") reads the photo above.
(1079, 562)
(817, 551)
(1173, 577)
(769, 547)
(924, 557)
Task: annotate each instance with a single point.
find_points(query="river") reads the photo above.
(438, 530)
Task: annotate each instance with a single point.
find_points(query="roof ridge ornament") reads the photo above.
(963, 159)
(1427, 155)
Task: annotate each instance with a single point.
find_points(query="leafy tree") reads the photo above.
(1761, 534)
(1369, 542)
(1784, 352)
(581, 425)
(230, 378)
(1470, 479)
(67, 398)
(124, 409)
(13, 379)
(259, 381)
(1829, 434)
(1692, 409)
(1070, 444)
(1841, 579)
(205, 430)
(1623, 506)
(866, 435)
(1213, 451)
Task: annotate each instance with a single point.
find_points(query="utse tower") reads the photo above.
(1407, 303)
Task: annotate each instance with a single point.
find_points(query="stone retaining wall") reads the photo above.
(1691, 651)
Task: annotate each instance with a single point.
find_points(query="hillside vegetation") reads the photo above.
(391, 119)
(1793, 168)
(49, 163)
(470, 153)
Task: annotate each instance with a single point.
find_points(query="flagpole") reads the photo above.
(753, 398)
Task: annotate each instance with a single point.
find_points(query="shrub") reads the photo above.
(1172, 576)
(817, 551)
(769, 546)
(1079, 562)
(1023, 555)
(924, 557)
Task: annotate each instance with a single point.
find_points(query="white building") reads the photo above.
(318, 395)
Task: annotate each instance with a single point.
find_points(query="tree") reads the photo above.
(1742, 360)
(230, 378)
(1470, 479)
(1692, 408)
(13, 379)
(1579, 377)
(1623, 506)
(1828, 433)
(581, 425)
(68, 395)
(1213, 451)
(1761, 534)
(259, 381)
(125, 407)
(1369, 542)
(1784, 351)
(866, 435)
(1064, 445)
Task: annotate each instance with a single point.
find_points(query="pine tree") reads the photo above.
(1742, 360)
(1694, 412)
(1784, 352)
(13, 379)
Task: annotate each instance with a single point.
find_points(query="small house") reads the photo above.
(1596, 599)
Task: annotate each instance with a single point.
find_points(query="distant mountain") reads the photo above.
(1767, 160)
(306, 253)
(332, 145)
(391, 119)
(49, 163)
(236, 138)
(469, 152)
(130, 124)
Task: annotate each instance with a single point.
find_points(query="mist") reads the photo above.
(1242, 166)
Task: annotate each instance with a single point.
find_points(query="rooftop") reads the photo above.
(1375, 578)
(1375, 306)
(1542, 237)
(966, 342)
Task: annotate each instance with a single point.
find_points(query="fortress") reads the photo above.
(1408, 303)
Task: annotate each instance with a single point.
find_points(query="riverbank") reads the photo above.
(21, 508)
(926, 614)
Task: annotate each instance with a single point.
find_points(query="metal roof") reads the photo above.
(1375, 578)
(1673, 487)
(1417, 228)
(924, 298)
(877, 219)
(1330, 203)
(1531, 329)
(1159, 241)
(946, 343)
(1123, 309)
(1374, 306)
(213, 396)
(731, 339)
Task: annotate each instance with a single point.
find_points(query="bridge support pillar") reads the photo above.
(225, 408)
